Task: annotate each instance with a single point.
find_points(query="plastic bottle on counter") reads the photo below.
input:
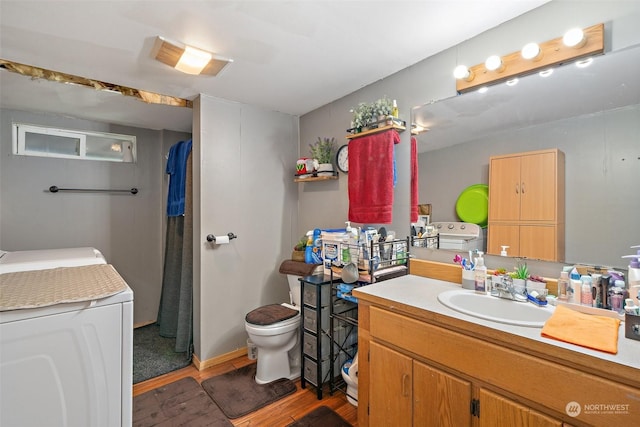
(563, 286)
(394, 110)
(576, 286)
(617, 296)
(586, 297)
(480, 273)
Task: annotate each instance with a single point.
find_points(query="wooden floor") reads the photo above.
(280, 413)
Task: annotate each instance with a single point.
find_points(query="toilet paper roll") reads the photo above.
(222, 240)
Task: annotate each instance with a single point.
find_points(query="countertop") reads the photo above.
(418, 295)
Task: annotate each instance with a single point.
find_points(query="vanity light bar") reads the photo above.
(552, 53)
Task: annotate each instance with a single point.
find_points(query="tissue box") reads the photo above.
(632, 326)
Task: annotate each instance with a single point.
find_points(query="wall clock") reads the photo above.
(342, 158)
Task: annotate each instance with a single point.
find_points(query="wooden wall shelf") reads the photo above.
(377, 130)
(316, 178)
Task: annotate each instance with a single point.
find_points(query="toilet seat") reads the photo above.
(272, 315)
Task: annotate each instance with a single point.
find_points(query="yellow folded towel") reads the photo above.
(596, 332)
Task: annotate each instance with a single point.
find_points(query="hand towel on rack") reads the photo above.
(177, 170)
(371, 177)
(414, 180)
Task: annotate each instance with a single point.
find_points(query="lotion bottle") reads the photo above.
(480, 274)
(563, 286)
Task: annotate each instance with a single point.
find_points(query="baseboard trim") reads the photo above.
(204, 364)
(144, 323)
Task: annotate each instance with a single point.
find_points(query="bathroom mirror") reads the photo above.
(592, 114)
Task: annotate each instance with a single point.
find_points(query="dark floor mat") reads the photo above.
(181, 403)
(237, 393)
(322, 416)
(154, 355)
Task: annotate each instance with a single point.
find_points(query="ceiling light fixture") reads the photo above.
(574, 38)
(531, 51)
(188, 59)
(533, 58)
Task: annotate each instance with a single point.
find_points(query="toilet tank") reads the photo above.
(294, 289)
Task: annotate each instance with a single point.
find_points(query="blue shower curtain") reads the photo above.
(175, 314)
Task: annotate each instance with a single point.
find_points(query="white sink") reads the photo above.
(496, 309)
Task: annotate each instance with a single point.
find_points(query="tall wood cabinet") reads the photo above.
(526, 204)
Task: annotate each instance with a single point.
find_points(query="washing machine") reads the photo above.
(460, 236)
(66, 364)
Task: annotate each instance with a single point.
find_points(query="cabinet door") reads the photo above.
(538, 187)
(503, 235)
(539, 242)
(390, 395)
(498, 411)
(439, 399)
(504, 189)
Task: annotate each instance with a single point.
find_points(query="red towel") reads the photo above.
(414, 179)
(371, 177)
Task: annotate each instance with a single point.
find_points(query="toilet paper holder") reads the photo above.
(211, 238)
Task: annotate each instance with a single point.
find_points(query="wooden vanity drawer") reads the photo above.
(522, 374)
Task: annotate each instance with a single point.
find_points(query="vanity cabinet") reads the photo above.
(425, 370)
(406, 392)
(526, 204)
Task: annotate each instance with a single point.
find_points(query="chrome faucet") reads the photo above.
(504, 289)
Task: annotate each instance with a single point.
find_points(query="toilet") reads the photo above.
(349, 373)
(275, 329)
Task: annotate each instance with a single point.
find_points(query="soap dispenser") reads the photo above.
(503, 252)
(480, 274)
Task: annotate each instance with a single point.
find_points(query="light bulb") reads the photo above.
(462, 72)
(574, 38)
(494, 63)
(531, 51)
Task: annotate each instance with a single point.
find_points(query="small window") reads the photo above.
(31, 140)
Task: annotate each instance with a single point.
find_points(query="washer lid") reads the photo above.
(473, 204)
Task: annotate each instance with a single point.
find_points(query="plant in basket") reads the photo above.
(298, 249)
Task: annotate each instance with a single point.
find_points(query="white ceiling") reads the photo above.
(289, 56)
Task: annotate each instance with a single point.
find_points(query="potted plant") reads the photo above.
(298, 249)
(323, 150)
(520, 277)
(536, 283)
(362, 117)
(382, 110)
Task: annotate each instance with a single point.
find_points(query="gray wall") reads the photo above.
(242, 157)
(127, 229)
(432, 80)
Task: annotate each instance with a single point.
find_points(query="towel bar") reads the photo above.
(54, 189)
